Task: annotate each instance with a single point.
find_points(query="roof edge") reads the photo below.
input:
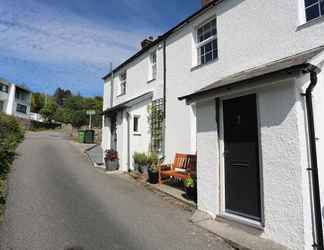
(165, 36)
(301, 67)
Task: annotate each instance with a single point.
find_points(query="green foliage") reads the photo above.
(49, 110)
(190, 183)
(67, 108)
(11, 134)
(156, 121)
(140, 159)
(37, 102)
(153, 160)
(79, 118)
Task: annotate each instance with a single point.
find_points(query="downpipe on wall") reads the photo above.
(318, 239)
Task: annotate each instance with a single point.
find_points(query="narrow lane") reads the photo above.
(56, 200)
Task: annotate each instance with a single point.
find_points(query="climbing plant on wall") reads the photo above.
(156, 121)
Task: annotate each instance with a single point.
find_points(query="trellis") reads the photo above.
(156, 121)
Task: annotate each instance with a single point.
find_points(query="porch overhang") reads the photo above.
(127, 104)
(289, 65)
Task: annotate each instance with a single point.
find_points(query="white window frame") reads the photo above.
(122, 83)
(136, 132)
(305, 8)
(152, 66)
(208, 40)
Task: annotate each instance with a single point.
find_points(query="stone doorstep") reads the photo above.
(237, 235)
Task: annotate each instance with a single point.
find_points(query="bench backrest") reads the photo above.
(185, 161)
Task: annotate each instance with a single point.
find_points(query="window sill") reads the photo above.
(310, 23)
(152, 80)
(120, 95)
(202, 65)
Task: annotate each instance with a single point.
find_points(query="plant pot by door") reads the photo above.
(112, 165)
(191, 193)
(153, 176)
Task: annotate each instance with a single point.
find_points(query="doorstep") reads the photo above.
(238, 236)
(174, 192)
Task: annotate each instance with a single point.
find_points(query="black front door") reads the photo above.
(242, 176)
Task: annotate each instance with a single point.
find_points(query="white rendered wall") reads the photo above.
(139, 142)
(137, 84)
(11, 100)
(283, 159)
(250, 33)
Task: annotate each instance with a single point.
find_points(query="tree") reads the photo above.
(61, 95)
(37, 102)
(49, 110)
(79, 119)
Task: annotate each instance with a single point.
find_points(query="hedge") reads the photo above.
(11, 134)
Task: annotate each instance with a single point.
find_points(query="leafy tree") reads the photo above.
(49, 110)
(79, 119)
(37, 102)
(61, 95)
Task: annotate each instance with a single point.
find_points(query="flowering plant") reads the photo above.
(111, 155)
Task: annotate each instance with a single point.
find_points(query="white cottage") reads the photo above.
(244, 68)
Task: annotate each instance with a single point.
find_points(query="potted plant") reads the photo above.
(190, 185)
(153, 171)
(111, 160)
(140, 162)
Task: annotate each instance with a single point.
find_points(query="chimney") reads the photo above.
(205, 2)
(147, 41)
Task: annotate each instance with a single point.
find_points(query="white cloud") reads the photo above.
(37, 33)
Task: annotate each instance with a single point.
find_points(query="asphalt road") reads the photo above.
(58, 201)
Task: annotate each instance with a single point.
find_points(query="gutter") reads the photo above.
(318, 240)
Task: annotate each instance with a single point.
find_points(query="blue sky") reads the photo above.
(47, 44)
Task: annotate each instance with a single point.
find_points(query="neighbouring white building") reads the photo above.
(15, 99)
(250, 72)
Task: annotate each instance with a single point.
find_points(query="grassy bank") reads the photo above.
(11, 134)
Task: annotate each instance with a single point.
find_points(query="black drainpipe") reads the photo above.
(318, 242)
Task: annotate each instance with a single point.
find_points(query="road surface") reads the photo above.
(58, 201)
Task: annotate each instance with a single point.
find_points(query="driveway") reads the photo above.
(58, 201)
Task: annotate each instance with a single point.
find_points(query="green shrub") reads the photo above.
(11, 134)
(140, 159)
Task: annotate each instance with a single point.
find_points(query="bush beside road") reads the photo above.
(11, 134)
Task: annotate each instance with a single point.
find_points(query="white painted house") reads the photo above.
(243, 67)
(15, 99)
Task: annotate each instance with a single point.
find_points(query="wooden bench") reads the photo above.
(184, 166)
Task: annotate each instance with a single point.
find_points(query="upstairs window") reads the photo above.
(20, 95)
(153, 66)
(21, 108)
(123, 83)
(314, 9)
(207, 42)
(4, 88)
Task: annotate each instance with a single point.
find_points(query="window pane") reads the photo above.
(322, 8)
(209, 57)
(312, 12)
(135, 124)
(206, 31)
(202, 60)
(310, 2)
(208, 47)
